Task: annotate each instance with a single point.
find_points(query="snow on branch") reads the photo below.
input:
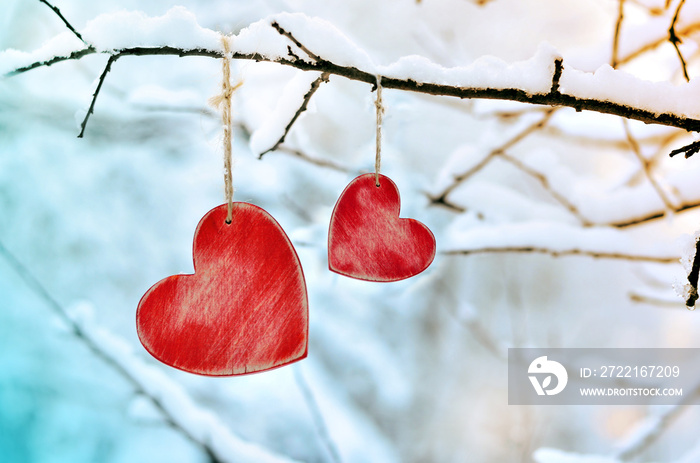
(564, 252)
(691, 263)
(541, 80)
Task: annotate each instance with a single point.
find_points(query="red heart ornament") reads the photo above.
(367, 240)
(245, 308)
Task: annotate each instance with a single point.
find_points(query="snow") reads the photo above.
(126, 29)
(556, 237)
(322, 38)
(534, 76)
(608, 84)
(272, 129)
(408, 371)
(61, 45)
(203, 425)
(179, 28)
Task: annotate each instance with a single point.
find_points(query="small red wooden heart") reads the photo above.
(244, 310)
(367, 240)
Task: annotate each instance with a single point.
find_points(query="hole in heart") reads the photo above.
(228, 222)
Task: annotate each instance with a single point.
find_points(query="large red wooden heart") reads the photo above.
(367, 240)
(245, 308)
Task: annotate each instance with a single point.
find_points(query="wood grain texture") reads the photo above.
(367, 240)
(244, 310)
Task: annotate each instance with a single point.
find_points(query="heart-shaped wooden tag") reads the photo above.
(367, 240)
(244, 310)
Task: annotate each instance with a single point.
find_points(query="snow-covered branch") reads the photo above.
(542, 80)
(555, 240)
(564, 252)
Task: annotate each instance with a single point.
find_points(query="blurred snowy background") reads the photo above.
(412, 371)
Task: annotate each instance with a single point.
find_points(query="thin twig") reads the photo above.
(35, 285)
(687, 30)
(551, 98)
(301, 46)
(108, 67)
(441, 198)
(324, 77)
(643, 299)
(542, 179)
(675, 40)
(313, 160)
(565, 252)
(688, 150)
(65, 21)
(645, 166)
(616, 36)
(316, 414)
(655, 215)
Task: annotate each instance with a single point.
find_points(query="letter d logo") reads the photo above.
(542, 365)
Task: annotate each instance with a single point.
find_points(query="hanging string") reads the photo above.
(223, 101)
(380, 113)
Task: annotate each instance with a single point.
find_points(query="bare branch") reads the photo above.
(301, 155)
(91, 109)
(653, 215)
(324, 77)
(566, 252)
(568, 205)
(645, 166)
(643, 299)
(65, 21)
(301, 46)
(675, 40)
(78, 54)
(616, 35)
(441, 198)
(687, 30)
(689, 150)
(319, 162)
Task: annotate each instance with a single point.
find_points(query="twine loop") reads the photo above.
(380, 113)
(223, 102)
